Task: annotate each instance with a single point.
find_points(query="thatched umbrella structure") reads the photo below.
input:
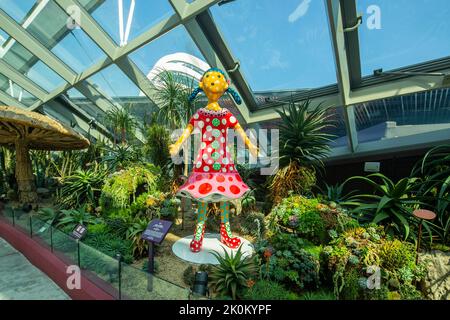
(27, 130)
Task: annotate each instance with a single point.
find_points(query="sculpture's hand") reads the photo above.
(174, 149)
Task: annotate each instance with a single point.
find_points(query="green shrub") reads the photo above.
(351, 254)
(122, 188)
(252, 223)
(71, 218)
(292, 261)
(302, 215)
(269, 290)
(317, 295)
(110, 245)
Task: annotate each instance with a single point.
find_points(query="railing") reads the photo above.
(126, 281)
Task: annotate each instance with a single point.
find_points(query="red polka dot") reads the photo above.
(220, 178)
(191, 187)
(221, 189)
(210, 176)
(199, 177)
(230, 178)
(204, 188)
(235, 189)
(238, 178)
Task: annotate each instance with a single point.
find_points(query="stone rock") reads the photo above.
(437, 282)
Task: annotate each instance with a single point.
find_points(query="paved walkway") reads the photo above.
(20, 280)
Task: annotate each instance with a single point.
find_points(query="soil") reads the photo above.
(169, 266)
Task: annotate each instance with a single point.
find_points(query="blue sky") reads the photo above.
(281, 44)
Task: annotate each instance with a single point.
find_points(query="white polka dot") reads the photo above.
(206, 168)
(196, 116)
(199, 164)
(204, 136)
(207, 119)
(210, 162)
(221, 152)
(224, 170)
(231, 168)
(208, 128)
(224, 121)
(203, 145)
(232, 119)
(222, 139)
(205, 156)
(223, 130)
(225, 161)
(210, 138)
(201, 124)
(209, 150)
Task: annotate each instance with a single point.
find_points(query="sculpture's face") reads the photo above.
(214, 85)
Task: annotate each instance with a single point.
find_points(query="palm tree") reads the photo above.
(303, 144)
(121, 120)
(172, 92)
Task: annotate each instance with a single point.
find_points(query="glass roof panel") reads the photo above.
(408, 32)
(174, 51)
(124, 23)
(17, 9)
(86, 105)
(16, 91)
(73, 47)
(396, 117)
(19, 58)
(114, 85)
(279, 47)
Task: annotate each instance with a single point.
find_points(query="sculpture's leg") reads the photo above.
(196, 243)
(225, 230)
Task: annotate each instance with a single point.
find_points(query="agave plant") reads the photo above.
(303, 145)
(335, 193)
(434, 189)
(391, 204)
(82, 187)
(134, 232)
(233, 273)
(120, 157)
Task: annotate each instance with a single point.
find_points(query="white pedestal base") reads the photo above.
(211, 243)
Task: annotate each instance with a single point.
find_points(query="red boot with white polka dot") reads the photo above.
(230, 242)
(196, 243)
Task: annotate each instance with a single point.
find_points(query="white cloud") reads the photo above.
(300, 11)
(275, 61)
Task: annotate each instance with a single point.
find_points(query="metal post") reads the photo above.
(418, 241)
(14, 217)
(31, 227)
(119, 258)
(51, 238)
(151, 265)
(78, 253)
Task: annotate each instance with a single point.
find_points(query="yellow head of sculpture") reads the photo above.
(214, 84)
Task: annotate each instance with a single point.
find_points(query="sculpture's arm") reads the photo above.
(251, 147)
(175, 148)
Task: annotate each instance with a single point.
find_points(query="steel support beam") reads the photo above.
(335, 16)
(21, 35)
(11, 101)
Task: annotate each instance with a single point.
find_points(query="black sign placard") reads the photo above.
(156, 231)
(79, 231)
